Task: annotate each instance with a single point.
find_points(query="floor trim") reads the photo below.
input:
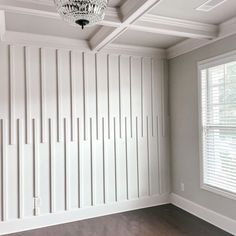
(210, 216)
(15, 226)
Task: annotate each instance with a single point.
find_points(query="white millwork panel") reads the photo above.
(79, 130)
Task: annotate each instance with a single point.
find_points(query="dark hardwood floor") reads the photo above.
(166, 220)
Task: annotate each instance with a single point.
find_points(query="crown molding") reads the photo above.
(135, 50)
(27, 39)
(179, 22)
(2, 24)
(185, 46)
(175, 27)
(226, 29)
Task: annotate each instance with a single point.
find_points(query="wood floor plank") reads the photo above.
(166, 220)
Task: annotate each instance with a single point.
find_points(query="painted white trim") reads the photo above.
(131, 11)
(226, 29)
(135, 50)
(81, 214)
(186, 46)
(218, 60)
(2, 24)
(28, 39)
(212, 217)
(175, 27)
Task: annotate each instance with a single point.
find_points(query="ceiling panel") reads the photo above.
(138, 38)
(47, 26)
(116, 3)
(185, 9)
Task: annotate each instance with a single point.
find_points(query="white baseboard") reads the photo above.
(210, 216)
(81, 214)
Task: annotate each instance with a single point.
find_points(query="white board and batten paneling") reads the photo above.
(81, 135)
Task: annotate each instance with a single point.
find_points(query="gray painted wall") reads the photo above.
(183, 86)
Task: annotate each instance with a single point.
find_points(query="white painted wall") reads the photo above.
(85, 134)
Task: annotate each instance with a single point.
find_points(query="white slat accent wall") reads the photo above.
(79, 130)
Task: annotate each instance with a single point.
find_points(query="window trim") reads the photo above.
(211, 62)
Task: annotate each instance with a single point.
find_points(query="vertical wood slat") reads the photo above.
(126, 161)
(148, 158)
(20, 168)
(67, 164)
(72, 97)
(130, 98)
(84, 96)
(42, 96)
(52, 164)
(115, 160)
(58, 94)
(11, 88)
(92, 169)
(96, 91)
(108, 97)
(158, 156)
(142, 108)
(163, 100)
(119, 78)
(79, 163)
(104, 163)
(27, 60)
(4, 164)
(137, 156)
(152, 98)
(36, 162)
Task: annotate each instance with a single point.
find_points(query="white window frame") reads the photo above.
(205, 64)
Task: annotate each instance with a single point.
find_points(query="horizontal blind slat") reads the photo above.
(218, 102)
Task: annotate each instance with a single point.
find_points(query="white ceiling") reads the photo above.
(148, 39)
(47, 26)
(40, 17)
(185, 9)
(116, 3)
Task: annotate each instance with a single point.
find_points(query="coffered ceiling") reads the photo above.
(173, 25)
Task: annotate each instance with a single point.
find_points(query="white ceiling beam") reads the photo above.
(175, 27)
(226, 29)
(131, 11)
(41, 9)
(2, 25)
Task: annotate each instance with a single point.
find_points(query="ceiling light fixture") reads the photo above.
(82, 12)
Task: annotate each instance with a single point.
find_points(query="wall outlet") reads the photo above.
(182, 187)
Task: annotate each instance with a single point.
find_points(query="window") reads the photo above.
(217, 105)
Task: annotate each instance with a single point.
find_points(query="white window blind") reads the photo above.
(218, 131)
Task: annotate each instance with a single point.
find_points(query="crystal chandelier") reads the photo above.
(82, 12)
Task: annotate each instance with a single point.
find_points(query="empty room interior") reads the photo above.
(118, 117)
